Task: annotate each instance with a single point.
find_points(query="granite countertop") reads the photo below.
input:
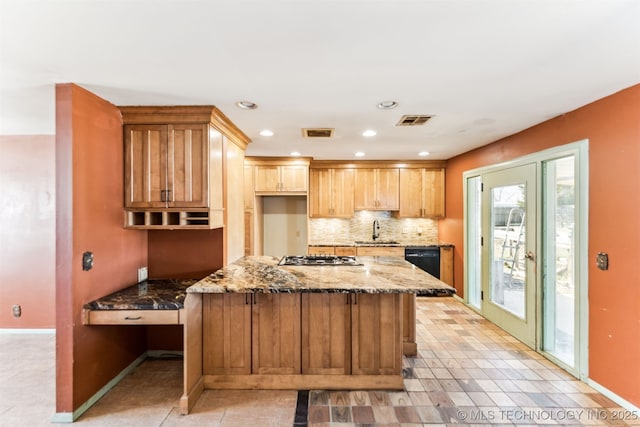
(152, 294)
(376, 275)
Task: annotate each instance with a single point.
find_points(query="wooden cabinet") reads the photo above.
(376, 325)
(446, 264)
(174, 164)
(421, 193)
(321, 250)
(249, 191)
(168, 165)
(326, 334)
(380, 251)
(226, 333)
(377, 189)
(275, 334)
(345, 250)
(331, 193)
(281, 178)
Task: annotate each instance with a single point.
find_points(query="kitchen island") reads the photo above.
(255, 324)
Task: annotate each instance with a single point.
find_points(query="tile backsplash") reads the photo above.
(407, 231)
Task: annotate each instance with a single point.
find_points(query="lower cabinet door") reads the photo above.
(226, 340)
(276, 334)
(376, 325)
(326, 334)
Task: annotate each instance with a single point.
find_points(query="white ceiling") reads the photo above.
(484, 69)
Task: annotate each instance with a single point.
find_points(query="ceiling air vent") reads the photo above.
(413, 120)
(317, 132)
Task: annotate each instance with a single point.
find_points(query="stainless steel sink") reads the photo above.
(376, 242)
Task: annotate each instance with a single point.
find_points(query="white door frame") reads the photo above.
(580, 150)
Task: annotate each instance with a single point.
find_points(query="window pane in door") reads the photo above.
(558, 259)
(508, 248)
(474, 235)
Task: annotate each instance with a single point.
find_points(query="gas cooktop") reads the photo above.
(319, 260)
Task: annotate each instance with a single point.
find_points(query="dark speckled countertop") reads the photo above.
(152, 294)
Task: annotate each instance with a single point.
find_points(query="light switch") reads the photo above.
(87, 261)
(602, 261)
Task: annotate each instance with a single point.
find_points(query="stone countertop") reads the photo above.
(376, 275)
(152, 294)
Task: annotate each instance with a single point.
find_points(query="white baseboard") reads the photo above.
(611, 395)
(68, 417)
(44, 331)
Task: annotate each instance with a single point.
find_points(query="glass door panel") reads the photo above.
(508, 243)
(559, 254)
(509, 235)
(474, 238)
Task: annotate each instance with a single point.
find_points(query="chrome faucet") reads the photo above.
(376, 229)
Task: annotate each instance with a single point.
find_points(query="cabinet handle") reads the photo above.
(133, 318)
(246, 299)
(165, 195)
(355, 299)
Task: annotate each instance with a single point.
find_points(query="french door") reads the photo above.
(508, 244)
(526, 251)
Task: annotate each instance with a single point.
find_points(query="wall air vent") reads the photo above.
(317, 132)
(413, 120)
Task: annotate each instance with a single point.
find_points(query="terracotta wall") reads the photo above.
(27, 231)
(89, 180)
(612, 126)
(189, 254)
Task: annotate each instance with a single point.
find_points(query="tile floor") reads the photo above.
(467, 372)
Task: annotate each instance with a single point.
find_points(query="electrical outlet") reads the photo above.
(405, 230)
(143, 274)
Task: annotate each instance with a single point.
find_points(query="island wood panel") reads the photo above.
(446, 264)
(226, 334)
(376, 322)
(193, 378)
(276, 334)
(409, 344)
(326, 334)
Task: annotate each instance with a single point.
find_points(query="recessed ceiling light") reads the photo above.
(423, 153)
(294, 153)
(247, 105)
(266, 132)
(359, 154)
(369, 133)
(387, 105)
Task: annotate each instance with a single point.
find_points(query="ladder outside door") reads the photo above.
(511, 247)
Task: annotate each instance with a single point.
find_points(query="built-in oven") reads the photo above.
(426, 258)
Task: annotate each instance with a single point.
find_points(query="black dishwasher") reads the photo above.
(426, 258)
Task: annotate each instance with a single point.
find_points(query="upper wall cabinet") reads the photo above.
(377, 189)
(174, 166)
(421, 193)
(168, 165)
(331, 193)
(279, 176)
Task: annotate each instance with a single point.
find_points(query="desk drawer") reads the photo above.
(131, 317)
